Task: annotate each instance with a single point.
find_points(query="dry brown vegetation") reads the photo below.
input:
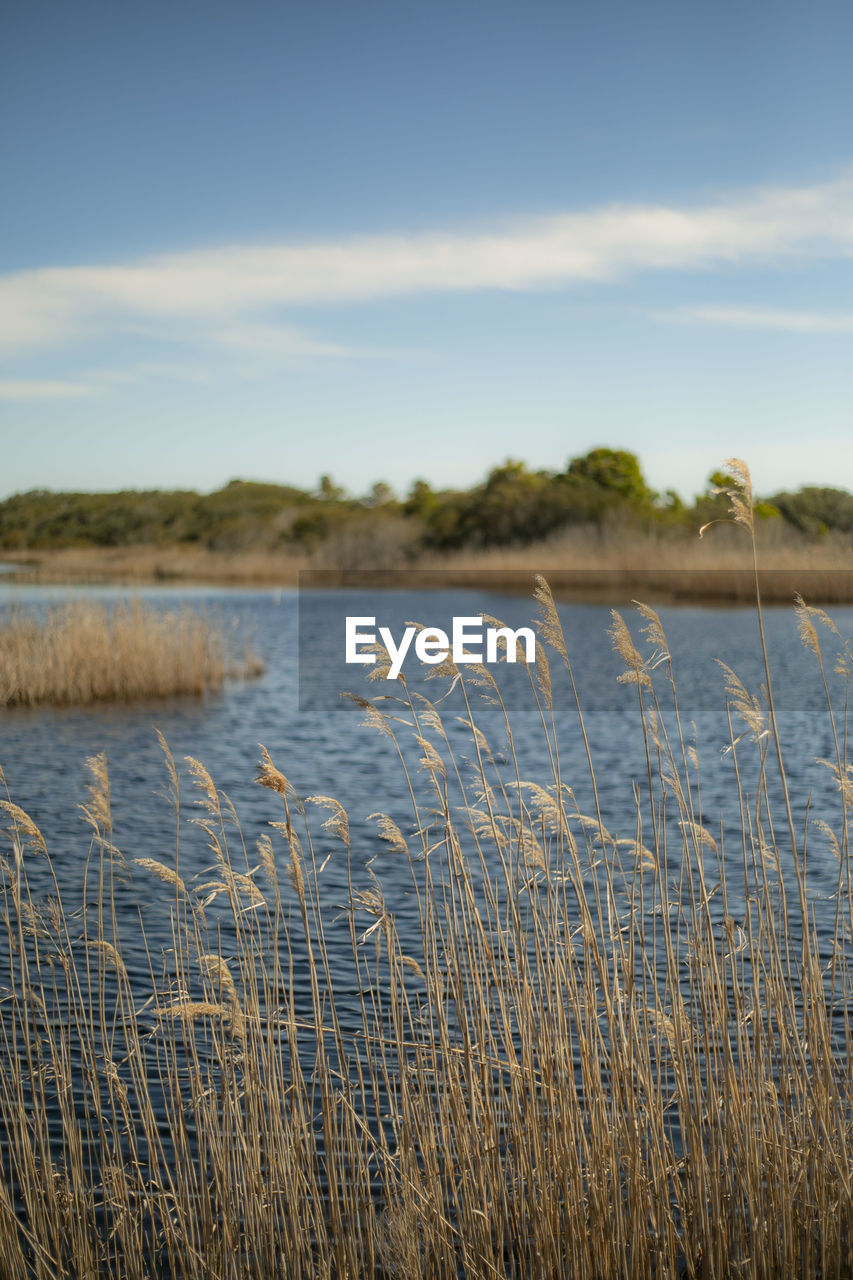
(85, 652)
(147, 563)
(610, 563)
(580, 563)
(583, 1065)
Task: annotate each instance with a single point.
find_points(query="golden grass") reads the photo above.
(84, 652)
(584, 1061)
(580, 563)
(146, 563)
(614, 564)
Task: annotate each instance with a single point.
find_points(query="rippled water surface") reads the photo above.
(324, 749)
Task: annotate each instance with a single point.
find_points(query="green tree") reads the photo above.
(380, 495)
(816, 510)
(615, 471)
(420, 500)
(328, 491)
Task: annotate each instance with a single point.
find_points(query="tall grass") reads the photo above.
(582, 1064)
(633, 561)
(84, 652)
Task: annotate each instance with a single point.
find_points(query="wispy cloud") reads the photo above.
(145, 371)
(289, 343)
(734, 317)
(279, 340)
(222, 290)
(38, 389)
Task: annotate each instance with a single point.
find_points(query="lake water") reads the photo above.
(323, 748)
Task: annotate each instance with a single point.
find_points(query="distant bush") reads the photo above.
(516, 506)
(815, 510)
(513, 506)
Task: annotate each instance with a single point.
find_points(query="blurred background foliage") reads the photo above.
(513, 506)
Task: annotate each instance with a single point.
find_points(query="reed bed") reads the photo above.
(580, 562)
(596, 563)
(86, 652)
(586, 1063)
(180, 562)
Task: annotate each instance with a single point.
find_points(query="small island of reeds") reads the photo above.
(86, 651)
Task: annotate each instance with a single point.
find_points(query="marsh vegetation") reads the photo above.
(598, 513)
(591, 1053)
(85, 651)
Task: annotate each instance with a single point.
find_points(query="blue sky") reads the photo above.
(391, 240)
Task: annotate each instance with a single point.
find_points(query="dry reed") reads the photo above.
(581, 562)
(85, 652)
(583, 1065)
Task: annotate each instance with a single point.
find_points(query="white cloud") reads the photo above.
(36, 310)
(23, 389)
(279, 340)
(734, 317)
(145, 370)
(236, 285)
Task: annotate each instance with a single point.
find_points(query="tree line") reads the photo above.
(513, 506)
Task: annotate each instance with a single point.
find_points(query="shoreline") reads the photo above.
(583, 572)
